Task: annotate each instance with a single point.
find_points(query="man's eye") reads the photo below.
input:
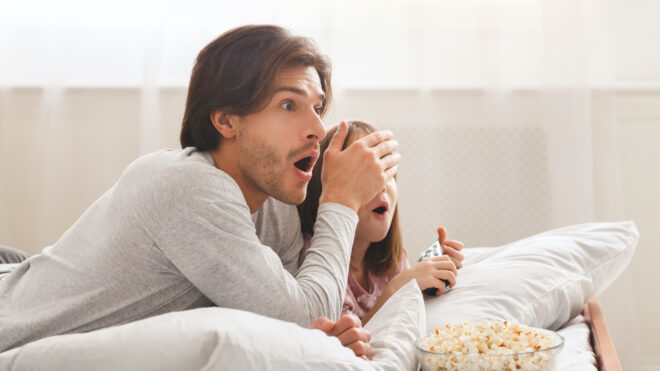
(287, 106)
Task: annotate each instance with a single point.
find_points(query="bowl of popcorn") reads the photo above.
(488, 345)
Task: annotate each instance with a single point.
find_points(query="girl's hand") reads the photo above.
(452, 248)
(430, 273)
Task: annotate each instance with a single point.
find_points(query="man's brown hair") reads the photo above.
(382, 257)
(236, 73)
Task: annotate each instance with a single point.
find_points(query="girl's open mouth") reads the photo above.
(380, 210)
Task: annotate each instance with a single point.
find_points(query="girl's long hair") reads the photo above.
(382, 257)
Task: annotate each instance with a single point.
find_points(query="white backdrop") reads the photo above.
(514, 116)
(523, 72)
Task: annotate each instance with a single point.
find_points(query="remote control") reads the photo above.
(433, 251)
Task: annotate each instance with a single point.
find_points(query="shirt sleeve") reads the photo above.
(278, 226)
(217, 249)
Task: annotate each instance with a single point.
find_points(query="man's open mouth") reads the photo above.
(304, 164)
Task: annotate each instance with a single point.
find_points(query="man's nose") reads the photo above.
(315, 129)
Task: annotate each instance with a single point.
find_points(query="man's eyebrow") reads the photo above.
(297, 91)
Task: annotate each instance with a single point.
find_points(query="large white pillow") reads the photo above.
(228, 339)
(542, 281)
(395, 327)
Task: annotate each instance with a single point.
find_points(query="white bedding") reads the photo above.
(228, 339)
(541, 281)
(213, 338)
(577, 354)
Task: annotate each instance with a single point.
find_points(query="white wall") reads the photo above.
(629, 127)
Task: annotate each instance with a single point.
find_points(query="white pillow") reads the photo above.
(228, 339)
(541, 281)
(395, 327)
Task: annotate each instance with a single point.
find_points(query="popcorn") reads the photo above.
(489, 345)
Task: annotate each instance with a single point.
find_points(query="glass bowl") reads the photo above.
(542, 359)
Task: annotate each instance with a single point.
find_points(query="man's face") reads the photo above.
(280, 144)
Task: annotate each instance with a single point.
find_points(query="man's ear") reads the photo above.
(224, 123)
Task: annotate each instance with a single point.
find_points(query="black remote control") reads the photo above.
(433, 251)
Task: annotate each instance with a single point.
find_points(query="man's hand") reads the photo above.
(348, 329)
(452, 248)
(354, 176)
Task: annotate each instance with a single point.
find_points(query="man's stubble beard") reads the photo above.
(261, 163)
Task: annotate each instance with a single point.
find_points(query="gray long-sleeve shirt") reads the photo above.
(176, 233)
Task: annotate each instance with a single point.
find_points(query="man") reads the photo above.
(177, 232)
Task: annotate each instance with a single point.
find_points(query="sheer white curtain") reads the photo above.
(507, 111)
(527, 67)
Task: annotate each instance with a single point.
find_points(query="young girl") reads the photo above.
(379, 264)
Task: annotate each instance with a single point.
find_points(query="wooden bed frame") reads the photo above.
(601, 341)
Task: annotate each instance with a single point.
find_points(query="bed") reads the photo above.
(588, 343)
(600, 340)
(549, 280)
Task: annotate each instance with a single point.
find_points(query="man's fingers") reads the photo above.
(357, 339)
(376, 137)
(344, 323)
(361, 349)
(386, 147)
(323, 324)
(354, 334)
(442, 234)
(390, 161)
(348, 329)
(391, 173)
(337, 140)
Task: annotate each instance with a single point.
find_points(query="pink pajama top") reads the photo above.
(358, 300)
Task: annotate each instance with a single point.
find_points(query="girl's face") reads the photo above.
(376, 216)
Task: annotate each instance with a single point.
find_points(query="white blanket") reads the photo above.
(541, 281)
(228, 339)
(577, 354)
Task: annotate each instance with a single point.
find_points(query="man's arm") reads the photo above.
(217, 249)
(278, 226)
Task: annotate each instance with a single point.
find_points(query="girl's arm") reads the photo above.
(428, 273)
